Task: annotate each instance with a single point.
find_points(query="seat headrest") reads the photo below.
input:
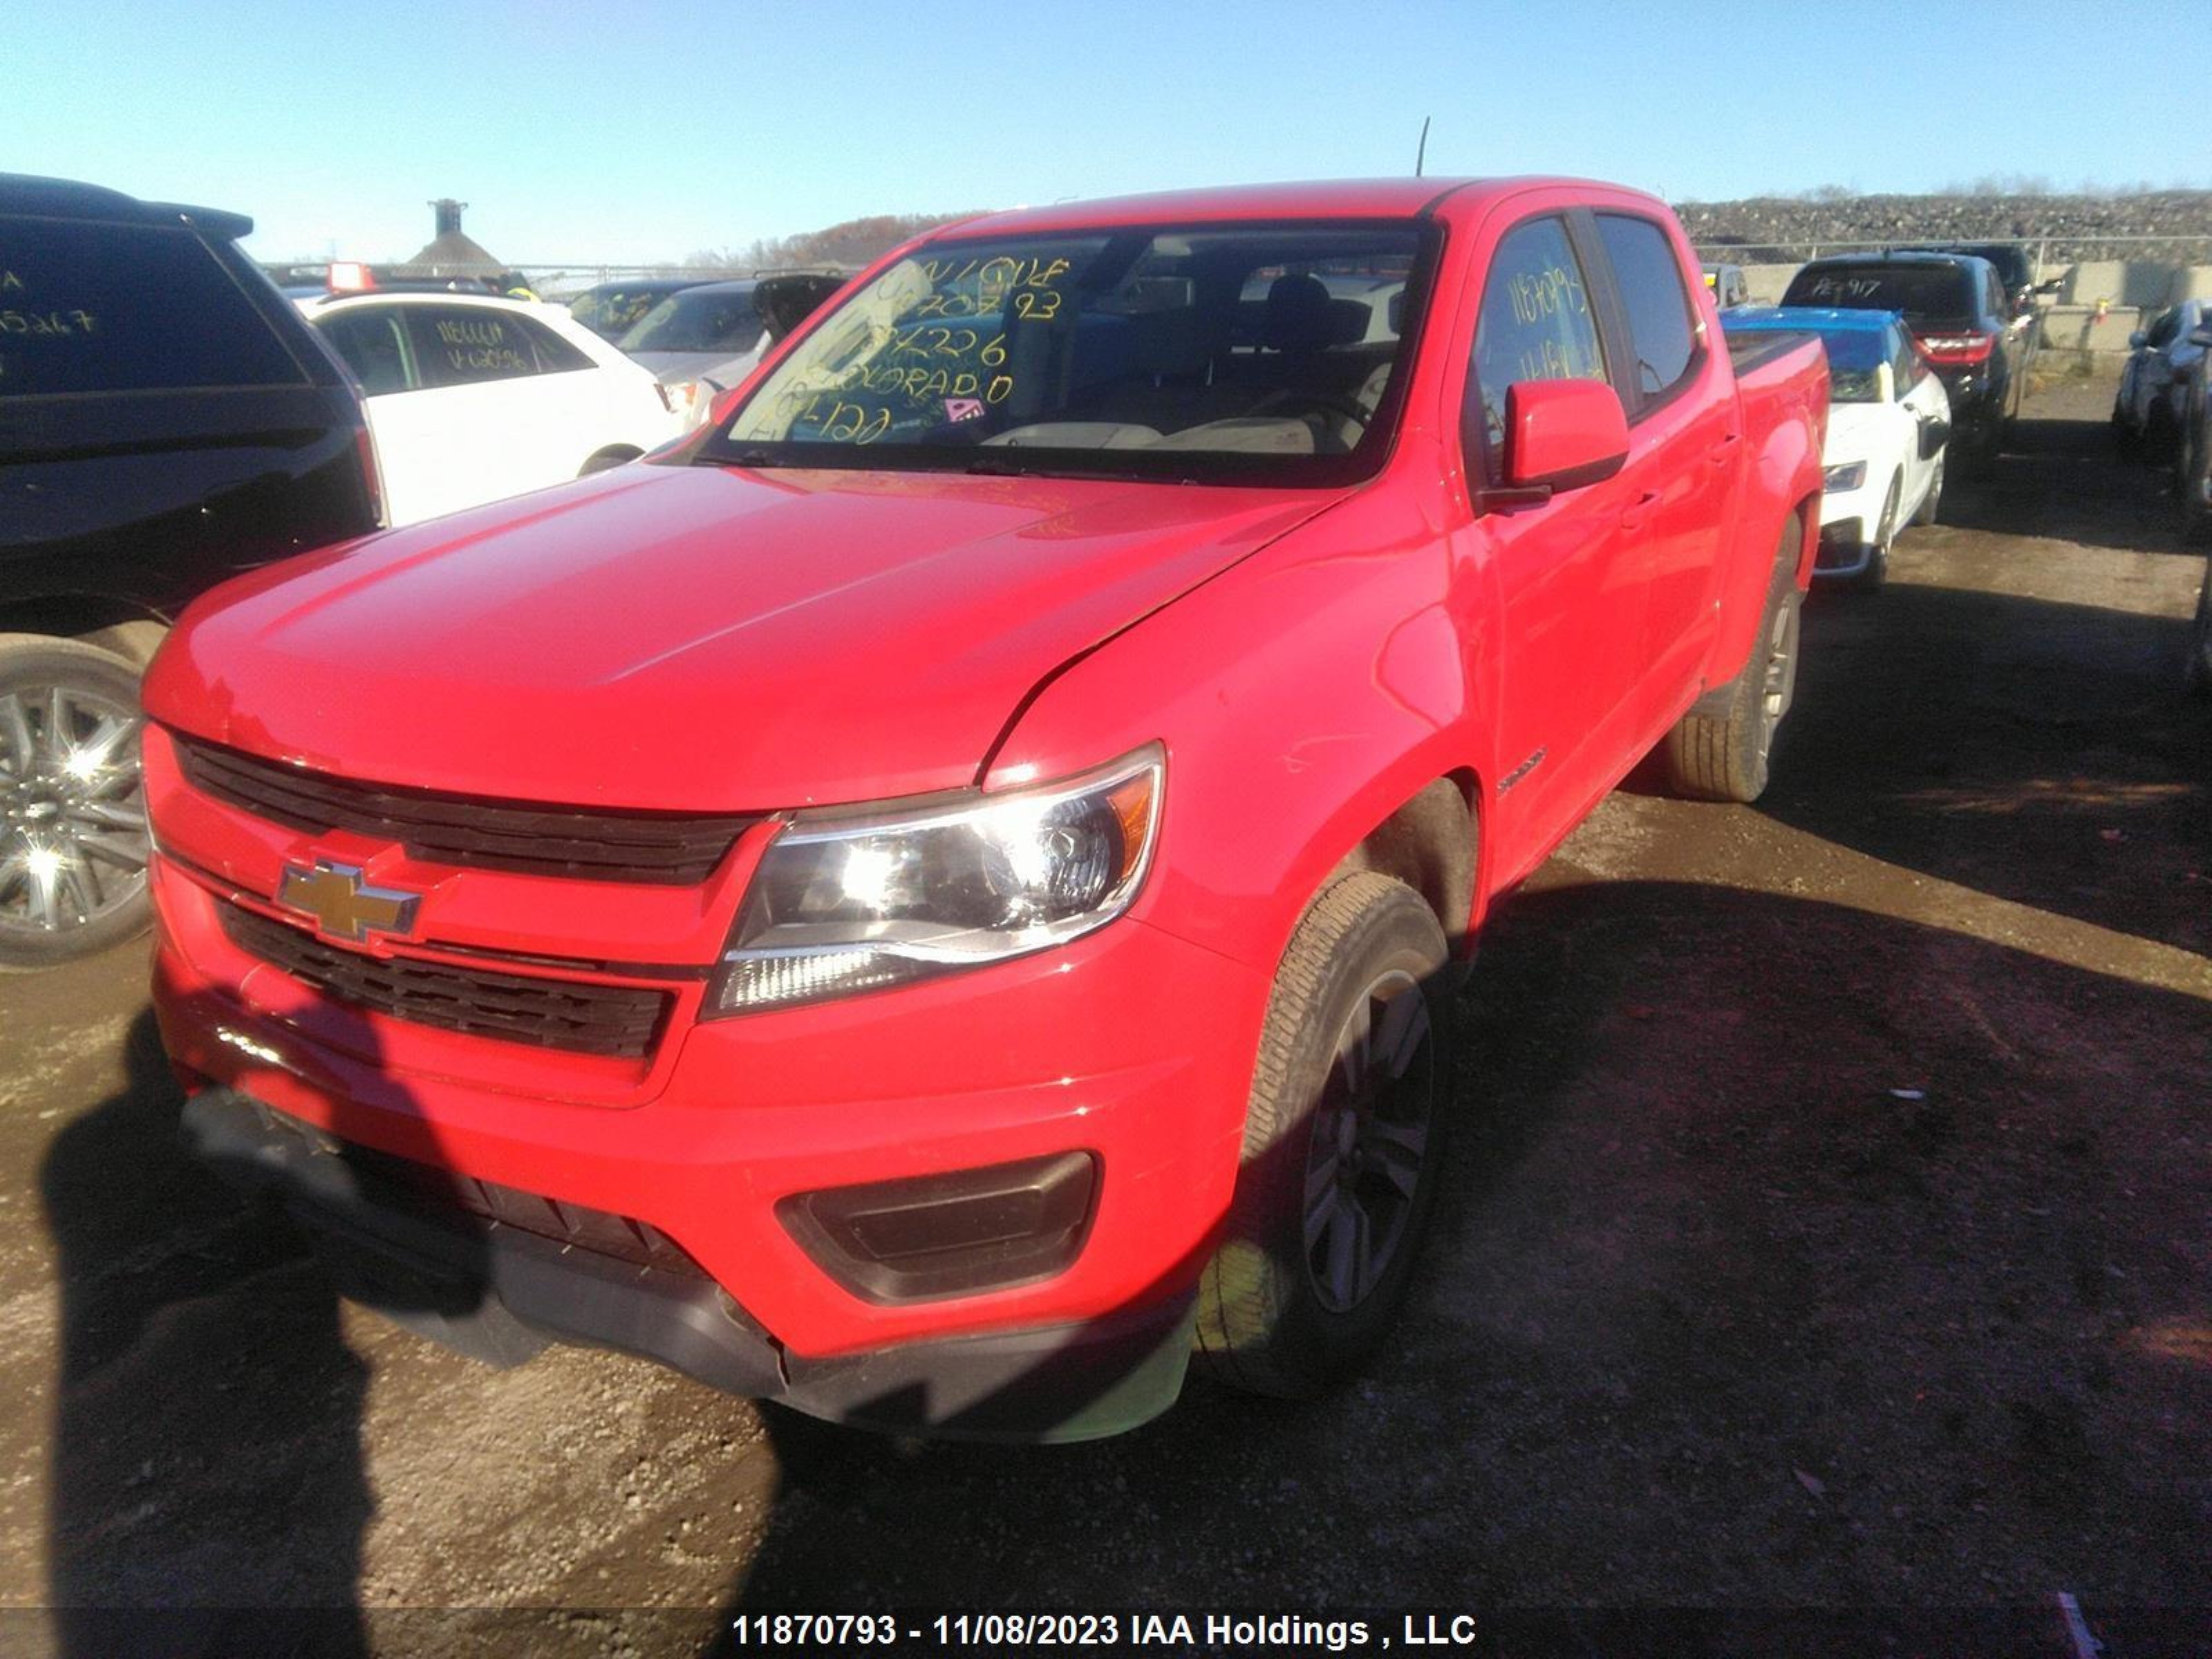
(1298, 320)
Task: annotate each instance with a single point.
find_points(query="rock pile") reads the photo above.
(1773, 230)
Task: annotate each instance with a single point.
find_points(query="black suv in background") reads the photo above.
(166, 420)
(2015, 271)
(1955, 305)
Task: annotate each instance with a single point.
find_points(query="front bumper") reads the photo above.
(1129, 1045)
(500, 1292)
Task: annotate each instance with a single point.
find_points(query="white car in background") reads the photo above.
(1889, 422)
(471, 399)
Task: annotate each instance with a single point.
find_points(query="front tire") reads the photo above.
(73, 840)
(1926, 512)
(1342, 1138)
(1723, 749)
(1872, 579)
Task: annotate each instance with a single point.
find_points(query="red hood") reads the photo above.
(694, 637)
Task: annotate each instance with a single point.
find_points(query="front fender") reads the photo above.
(1303, 698)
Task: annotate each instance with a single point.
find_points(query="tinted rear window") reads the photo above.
(1658, 305)
(1917, 291)
(92, 307)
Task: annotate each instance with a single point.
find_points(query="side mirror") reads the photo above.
(1934, 434)
(2136, 339)
(1563, 434)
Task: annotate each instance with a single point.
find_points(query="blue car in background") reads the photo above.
(1889, 422)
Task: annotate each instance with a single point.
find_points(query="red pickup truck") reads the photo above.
(937, 898)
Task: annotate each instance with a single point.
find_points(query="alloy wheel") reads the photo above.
(73, 841)
(1371, 1135)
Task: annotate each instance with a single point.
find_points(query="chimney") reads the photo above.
(449, 214)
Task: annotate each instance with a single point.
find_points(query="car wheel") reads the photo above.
(1723, 749)
(1925, 513)
(1343, 1134)
(2162, 435)
(1871, 580)
(2195, 481)
(73, 841)
(2126, 443)
(2200, 639)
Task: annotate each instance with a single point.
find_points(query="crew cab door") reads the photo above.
(1684, 457)
(1564, 655)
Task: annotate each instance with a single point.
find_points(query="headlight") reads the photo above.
(1849, 476)
(860, 903)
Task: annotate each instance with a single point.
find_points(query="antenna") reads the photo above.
(1421, 155)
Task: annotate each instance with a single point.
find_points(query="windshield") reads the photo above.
(1915, 290)
(1853, 354)
(1245, 353)
(611, 313)
(715, 319)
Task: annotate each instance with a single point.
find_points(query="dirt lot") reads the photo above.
(1832, 1229)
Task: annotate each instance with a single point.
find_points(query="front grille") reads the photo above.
(619, 1020)
(664, 849)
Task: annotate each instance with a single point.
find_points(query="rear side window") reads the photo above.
(467, 345)
(94, 307)
(375, 348)
(1536, 323)
(1651, 282)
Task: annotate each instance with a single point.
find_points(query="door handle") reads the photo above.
(1723, 452)
(1634, 517)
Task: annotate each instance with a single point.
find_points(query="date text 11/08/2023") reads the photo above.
(959, 1630)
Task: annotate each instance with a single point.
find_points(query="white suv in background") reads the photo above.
(471, 399)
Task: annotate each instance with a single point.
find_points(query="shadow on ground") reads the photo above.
(2039, 751)
(1762, 1278)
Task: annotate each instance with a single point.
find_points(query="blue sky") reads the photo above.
(579, 131)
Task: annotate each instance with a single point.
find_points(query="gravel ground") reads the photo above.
(1828, 1230)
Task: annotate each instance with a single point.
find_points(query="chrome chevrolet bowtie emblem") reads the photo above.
(342, 907)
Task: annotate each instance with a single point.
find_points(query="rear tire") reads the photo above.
(2200, 639)
(1926, 512)
(1342, 1139)
(1723, 749)
(2127, 443)
(73, 841)
(1872, 579)
(2193, 479)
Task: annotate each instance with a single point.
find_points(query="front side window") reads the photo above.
(97, 308)
(1244, 353)
(1905, 365)
(1651, 282)
(1536, 324)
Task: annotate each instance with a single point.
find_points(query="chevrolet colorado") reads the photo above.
(935, 897)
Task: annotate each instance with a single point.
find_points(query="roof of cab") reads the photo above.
(65, 199)
(1335, 199)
